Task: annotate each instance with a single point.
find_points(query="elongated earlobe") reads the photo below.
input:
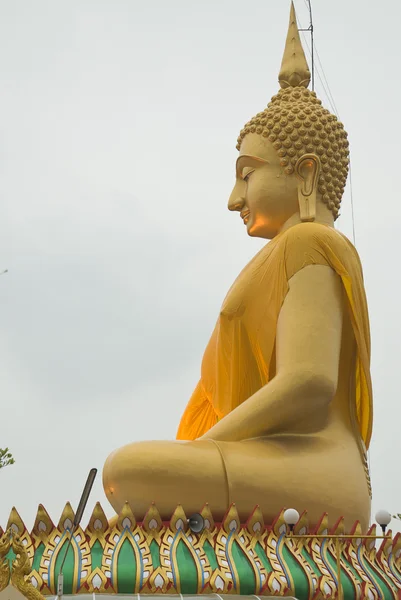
(307, 205)
(307, 170)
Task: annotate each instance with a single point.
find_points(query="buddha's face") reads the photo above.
(264, 195)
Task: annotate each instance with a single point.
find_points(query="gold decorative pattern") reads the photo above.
(174, 535)
(67, 518)
(98, 527)
(366, 469)
(17, 527)
(42, 527)
(124, 532)
(55, 547)
(21, 568)
(5, 544)
(221, 557)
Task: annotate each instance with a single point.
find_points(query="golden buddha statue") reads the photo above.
(282, 414)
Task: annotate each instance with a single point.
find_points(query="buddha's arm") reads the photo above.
(307, 357)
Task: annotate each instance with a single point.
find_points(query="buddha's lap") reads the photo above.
(285, 471)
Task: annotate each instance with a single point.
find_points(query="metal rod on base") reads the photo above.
(77, 519)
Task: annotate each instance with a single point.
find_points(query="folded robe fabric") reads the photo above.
(240, 356)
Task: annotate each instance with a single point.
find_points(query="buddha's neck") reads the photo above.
(323, 216)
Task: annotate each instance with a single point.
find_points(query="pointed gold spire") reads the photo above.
(294, 70)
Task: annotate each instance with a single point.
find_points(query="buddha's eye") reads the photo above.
(246, 176)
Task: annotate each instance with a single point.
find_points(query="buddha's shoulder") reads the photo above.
(307, 243)
(313, 243)
(315, 234)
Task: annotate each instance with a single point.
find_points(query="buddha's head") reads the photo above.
(293, 156)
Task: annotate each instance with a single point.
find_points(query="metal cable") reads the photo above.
(325, 78)
(320, 79)
(327, 91)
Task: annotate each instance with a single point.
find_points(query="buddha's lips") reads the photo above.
(245, 214)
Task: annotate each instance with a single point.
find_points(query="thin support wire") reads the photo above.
(326, 88)
(325, 78)
(312, 44)
(321, 80)
(312, 51)
(310, 29)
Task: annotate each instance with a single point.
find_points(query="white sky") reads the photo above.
(118, 124)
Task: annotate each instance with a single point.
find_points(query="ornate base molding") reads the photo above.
(156, 557)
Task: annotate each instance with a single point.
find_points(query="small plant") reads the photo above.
(6, 458)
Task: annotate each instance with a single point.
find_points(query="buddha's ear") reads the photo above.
(307, 170)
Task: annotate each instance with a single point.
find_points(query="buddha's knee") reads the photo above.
(167, 473)
(134, 462)
(139, 473)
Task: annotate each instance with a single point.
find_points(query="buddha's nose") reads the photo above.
(236, 202)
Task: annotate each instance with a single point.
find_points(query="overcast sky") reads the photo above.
(118, 125)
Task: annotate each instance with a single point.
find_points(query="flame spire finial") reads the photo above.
(294, 70)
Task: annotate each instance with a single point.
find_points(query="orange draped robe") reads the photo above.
(240, 356)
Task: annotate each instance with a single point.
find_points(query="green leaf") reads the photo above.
(6, 458)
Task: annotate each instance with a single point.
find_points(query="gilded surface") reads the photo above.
(285, 383)
(16, 561)
(5, 544)
(227, 557)
(296, 124)
(21, 569)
